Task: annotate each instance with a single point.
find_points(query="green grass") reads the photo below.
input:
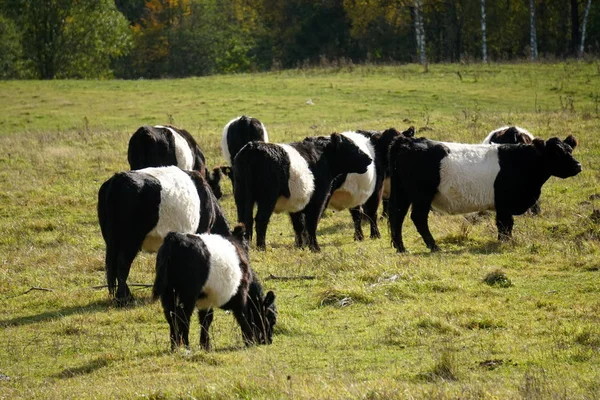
(372, 324)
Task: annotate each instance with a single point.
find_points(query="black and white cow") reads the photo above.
(236, 134)
(207, 271)
(509, 135)
(137, 209)
(458, 178)
(512, 135)
(362, 193)
(161, 146)
(294, 178)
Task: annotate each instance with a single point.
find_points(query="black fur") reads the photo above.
(241, 131)
(182, 270)
(415, 177)
(510, 135)
(368, 211)
(128, 209)
(150, 146)
(261, 176)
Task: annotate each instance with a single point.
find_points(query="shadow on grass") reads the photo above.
(84, 369)
(95, 306)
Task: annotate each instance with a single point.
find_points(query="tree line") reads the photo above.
(47, 39)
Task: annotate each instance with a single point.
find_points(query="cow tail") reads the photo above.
(163, 258)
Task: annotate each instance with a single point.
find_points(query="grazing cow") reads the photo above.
(509, 135)
(161, 146)
(207, 271)
(137, 209)
(461, 178)
(361, 193)
(294, 178)
(236, 134)
(512, 135)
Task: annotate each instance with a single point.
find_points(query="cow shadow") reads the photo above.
(93, 307)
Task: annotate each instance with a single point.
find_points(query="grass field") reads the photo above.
(373, 324)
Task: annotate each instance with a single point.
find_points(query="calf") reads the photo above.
(236, 134)
(137, 209)
(207, 271)
(161, 146)
(361, 193)
(295, 178)
(462, 178)
(509, 135)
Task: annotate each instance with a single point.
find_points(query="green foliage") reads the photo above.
(10, 49)
(69, 38)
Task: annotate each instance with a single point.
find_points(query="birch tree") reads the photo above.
(585, 18)
(483, 36)
(532, 34)
(420, 32)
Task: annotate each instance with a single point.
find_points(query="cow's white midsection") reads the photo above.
(467, 178)
(179, 209)
(224, 275)
(357, 188)
(183, 153)
(301, 183)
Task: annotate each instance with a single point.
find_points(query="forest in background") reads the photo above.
(132, 39)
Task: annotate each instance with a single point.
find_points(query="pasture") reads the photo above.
(370, 323)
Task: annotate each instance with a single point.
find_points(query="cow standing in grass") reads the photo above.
(137, 209)
(207, 271)
(236, 134)
(294, 178)
(362, 193)
(161, 146)
(460, 178)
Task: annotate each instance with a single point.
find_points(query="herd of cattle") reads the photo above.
(168, 203)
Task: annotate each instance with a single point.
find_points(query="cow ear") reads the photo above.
(375, 138)
(571, 141)
(336, 139)
(269, 299)
(410, 132)
(539, 144)
(511, 135)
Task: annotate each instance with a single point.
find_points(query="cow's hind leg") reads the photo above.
(125, 258)
(264, 210)
(206, 318)
(397, 210)
(419, 215)
(504, 223)
(370, 212)
(299, 224)
(356, 214)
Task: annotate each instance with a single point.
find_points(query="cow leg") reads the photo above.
(384, 209)
(298, 223)
(183, 316)
(247, 333)
(419, 215)
(263, 215)
(206, 318)
(313, 213)
(504, 223)
(397, 210)
(370, 211)
(168, 304)
(124, 261)
(356, 214)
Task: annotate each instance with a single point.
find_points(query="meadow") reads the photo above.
(372, 323)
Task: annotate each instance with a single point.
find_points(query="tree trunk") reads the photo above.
(574, 26)
(420, 32)
(585, 17)
(483, 36)
(532, 34)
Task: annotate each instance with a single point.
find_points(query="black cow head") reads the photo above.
(214, 181)
(262, 315)
(558, 156)
(346, 156)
